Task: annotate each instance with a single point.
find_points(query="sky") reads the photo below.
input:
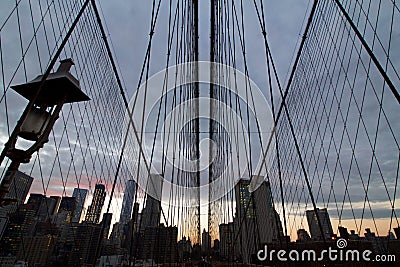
(128, 26)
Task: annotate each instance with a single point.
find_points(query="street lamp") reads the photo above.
(49, 97)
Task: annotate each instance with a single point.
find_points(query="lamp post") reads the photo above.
(49, 96)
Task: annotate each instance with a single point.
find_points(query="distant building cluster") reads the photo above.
(57, 230)
(51, 230)
(54, 230)
(257, 223)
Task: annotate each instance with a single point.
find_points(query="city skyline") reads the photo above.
(223, 247)
(115, 218)
(244, 195)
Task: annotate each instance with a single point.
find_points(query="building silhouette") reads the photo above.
(303, 236)
(106, 224)
(19, 189)
(68, 204)
(44, 207)
(35, 200)
(343, 232)
(313, 225)
(66, 211)
(37, 249)
(226, 237)
(127, 202)
(130, 229)
(94, 210)
(83, 253)
(58, 203)
(184, 249)
(80, 195)
(160, 244)
(205, 241)
(21, 224)
(244, 203)
(397, 232)
(150, 216)
(244, 222)
(215, 248)
(269, 225)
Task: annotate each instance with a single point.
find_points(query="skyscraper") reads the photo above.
(184, 249)
(80, 195)
(68, 203)
(205, 241)
(43, 206)
(58, 203)
(66, 211)
(314, 226)
(245, 221)
(35, 200)
(127, 203)
(94, 210)
(151, 212)
(268, 222)
(244, 203)
(135, 213)
(106, 222)
(19, 189)
(226, 236)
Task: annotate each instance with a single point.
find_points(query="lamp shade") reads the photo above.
(58, 85)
